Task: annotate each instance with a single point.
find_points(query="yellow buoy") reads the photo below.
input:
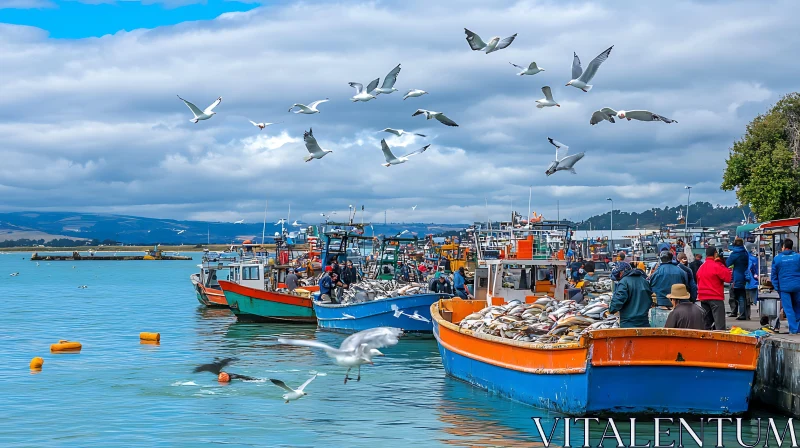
(66, 346)
(153, 337)
(37, 363)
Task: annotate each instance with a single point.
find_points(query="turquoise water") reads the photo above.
(118, 392)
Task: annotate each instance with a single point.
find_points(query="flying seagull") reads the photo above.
(313, 148)
(181, 231)
(392, 160)
(605, 113)
(643, 115)
(580, 79)
(296, 223)
(293, 394)
(494, 44)
(14, 274)
(388, 82)
(413, 93)
(532, 69)
(216, 366)
(437, 115)
(261, 125)
(310, 109)
(563, 162)
(201, 114)
(241, 221)
(414, 207)
(548, 100)
(356, 349)
(399, 132)
(361, 94)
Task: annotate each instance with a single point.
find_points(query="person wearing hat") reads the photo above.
(291, 280)
(684, 314)
(326, 285)
(632, 299)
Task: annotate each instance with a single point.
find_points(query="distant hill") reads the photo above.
(139, 230)
(701, 214)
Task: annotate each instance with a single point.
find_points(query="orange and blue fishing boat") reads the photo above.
(606, 371)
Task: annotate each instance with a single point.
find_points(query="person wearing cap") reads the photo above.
(632, 299)
(620, 266)
(326, 285)
(666, 275)
(291, 280)
(738, 259)
(711, 279)
(684, 314)
(459, 283)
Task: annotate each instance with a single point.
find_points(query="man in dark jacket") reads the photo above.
(666, 275)
(349, 274)
(442, 286)
(691, 283)
(632, 298)
(739, 259)
(786, 280)
(684, 314)
(695, 265)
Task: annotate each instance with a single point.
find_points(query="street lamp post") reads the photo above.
(688, 197)
(611, 239)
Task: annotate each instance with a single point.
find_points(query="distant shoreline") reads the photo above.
(186, 248)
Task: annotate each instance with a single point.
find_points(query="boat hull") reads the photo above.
(378, 313)
(254, 305)
(618, 371)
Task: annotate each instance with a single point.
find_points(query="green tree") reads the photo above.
(763, 166)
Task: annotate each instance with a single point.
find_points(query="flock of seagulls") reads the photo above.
(563, 162)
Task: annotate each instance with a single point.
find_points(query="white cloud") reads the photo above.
(94, 123)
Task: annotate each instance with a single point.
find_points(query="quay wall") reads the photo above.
(777, 381)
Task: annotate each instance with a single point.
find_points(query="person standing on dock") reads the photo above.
(711, 279)
(739, 260)
(666, 275)
(751, 275)
(695, 265)
(691, 286)
(620, 267)
(786, 280)
(459, 282)
(632, 299)
(684, 314)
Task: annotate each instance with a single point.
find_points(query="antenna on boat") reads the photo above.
(264, 229)
(530, 193)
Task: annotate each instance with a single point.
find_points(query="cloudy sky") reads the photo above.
(89, 119)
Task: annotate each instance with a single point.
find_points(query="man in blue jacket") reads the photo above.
(632, 298)
(666, 275)
(751, 276)
(739, 259)
(786, 280)
(459, 280)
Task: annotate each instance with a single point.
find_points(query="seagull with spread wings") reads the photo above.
(392, 160)
(413, 93)
(580, 78)
(477, 44)
(400, 132)
(388, 82)
(643, 115)
(531, 69)
(315, 152)
(548, 100)
(605, 113)
(437, 115)
(260, 125)
(293, 394)
(201, 114)
(310, 109)
(361, 94)
(563, 162)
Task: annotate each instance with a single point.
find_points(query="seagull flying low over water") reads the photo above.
(563, 162)
(361, 94)
(580, 79)
(413, 93)
(494, 44)
(310, 109)
(241, 221)
(293, 394)
(548, 100)
(356, 349)
(261, 125)
(388, 82)
(605, 113)
(392, 160)
(643, 115)
(437, 115)
(532, 69)
(201, 114)
(15, 274)
(313, 148)
(216, 366)
(399, 132)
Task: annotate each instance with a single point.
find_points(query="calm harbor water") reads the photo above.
(118, 392)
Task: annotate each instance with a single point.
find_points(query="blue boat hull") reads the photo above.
(377, 313)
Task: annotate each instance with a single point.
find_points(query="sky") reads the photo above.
(90, 121)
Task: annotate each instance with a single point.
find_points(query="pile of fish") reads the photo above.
(601, 285)
(367, 290)
(546, 321)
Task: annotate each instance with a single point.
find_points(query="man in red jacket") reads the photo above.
(711, 279)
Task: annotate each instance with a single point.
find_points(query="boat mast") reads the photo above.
(264, 229)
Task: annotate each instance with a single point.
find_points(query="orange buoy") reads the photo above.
(66, 346)
(224, 377)
(145, 336)
(37, 363)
